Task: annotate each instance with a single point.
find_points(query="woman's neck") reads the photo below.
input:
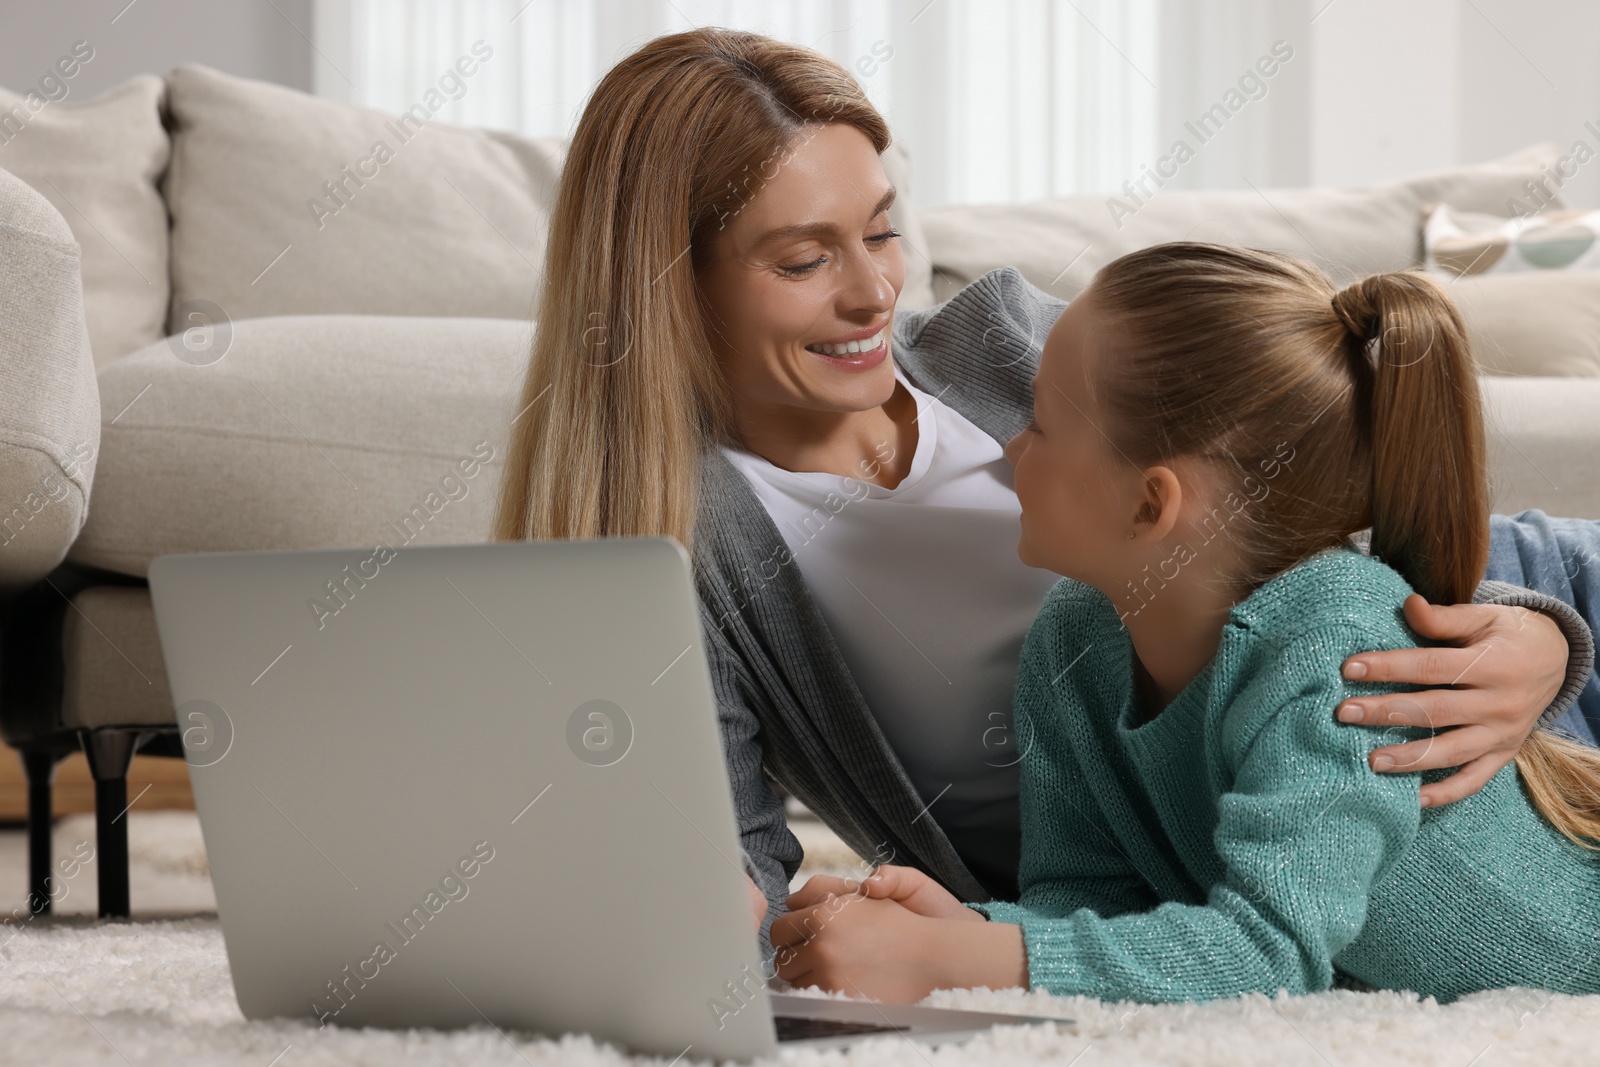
(876, 445)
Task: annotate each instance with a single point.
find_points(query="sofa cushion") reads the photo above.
(1456, 242)
(1544, 434)
(1060, 243)
(98, 162)
(286, 204)
(114, 675)
(307, 432)
(1535, 323)
(49, 407)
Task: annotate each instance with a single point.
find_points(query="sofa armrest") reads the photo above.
(50, 405)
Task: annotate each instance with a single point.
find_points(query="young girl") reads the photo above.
(1212, 425)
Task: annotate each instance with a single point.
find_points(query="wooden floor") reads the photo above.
(154, 782)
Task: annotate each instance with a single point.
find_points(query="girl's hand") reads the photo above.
(876, 948)
(1509, 666)
(906, 886)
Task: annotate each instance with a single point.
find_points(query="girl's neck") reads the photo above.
(1174, 636)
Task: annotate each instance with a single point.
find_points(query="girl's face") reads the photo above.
(1078, 494)
(801, 285)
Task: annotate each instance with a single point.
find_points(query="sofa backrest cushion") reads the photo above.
(1540, 323)
(288, 204)
(98, 161)
(49, 407)
(1059, 244)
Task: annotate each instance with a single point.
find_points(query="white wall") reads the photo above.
(1206, 50)
(1400, 87)
(250, 38)
(1387, 101)
(1551, 94)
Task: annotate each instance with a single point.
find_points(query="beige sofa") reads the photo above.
(297, 316)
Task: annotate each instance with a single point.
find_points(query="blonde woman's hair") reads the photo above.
(1243, 357)
(623, 391)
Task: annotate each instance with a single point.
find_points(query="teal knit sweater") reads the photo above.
(1239, 841)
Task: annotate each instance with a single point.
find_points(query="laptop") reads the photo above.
(479, 784)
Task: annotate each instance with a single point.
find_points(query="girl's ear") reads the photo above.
(1159, 505)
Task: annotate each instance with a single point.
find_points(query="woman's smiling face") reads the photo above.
(800, 287)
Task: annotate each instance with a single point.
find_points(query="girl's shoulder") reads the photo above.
(1286, 644)
(1339, 587)
(1074, 619)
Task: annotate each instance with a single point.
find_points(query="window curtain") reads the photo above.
(997, 100)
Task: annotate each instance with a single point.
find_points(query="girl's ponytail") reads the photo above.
(1562, 778)
(1416, 379)
(1329, 412)
(1430, 507)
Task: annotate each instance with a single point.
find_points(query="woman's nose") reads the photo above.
(1013, 449)
(869, 288)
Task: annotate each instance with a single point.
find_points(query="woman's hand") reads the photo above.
(906, 886)
(1509, 665)
(877, 948)
(758, 900)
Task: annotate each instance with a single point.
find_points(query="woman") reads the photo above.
(1195, 824)
(719, 250)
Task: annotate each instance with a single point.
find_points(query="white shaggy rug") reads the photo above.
(167, 872)
(157, 991)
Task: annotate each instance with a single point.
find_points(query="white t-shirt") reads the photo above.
(926, 598)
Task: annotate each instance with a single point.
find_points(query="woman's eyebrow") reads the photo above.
(820, 229)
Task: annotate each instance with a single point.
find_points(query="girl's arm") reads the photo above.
(1071, 859)
(903, 936)
(1303, 834)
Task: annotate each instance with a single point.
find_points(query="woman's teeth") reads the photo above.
(849, 348)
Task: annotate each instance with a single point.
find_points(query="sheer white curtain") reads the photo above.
(997, 100)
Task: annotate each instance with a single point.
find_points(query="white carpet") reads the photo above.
(167, 871)
(156, 991)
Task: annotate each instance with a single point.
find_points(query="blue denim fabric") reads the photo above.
(1559, 557)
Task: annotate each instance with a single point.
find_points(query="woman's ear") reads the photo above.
(1159, 505)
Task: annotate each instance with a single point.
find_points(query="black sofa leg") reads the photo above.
(39, 767)
(110, 752)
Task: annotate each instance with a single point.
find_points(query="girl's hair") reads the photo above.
(1324, 411)
(623, 391)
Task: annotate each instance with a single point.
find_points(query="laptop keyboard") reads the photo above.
(795, 1028)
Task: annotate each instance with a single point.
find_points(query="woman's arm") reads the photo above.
(772, 854)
